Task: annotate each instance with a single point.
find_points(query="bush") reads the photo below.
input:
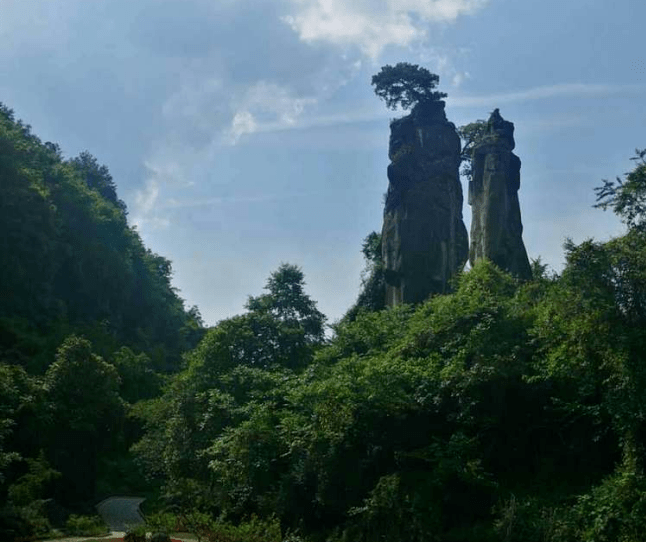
(24, 522)
(85, 525)
(205, 528)
(136, 534)
(166, 522)
(254, 530)
(614, 511)
(526, 520)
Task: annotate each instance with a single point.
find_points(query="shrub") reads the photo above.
(526, 520)
(24, 522)
(253, 530)
(85, 525)
(614, 511)
(136, 534)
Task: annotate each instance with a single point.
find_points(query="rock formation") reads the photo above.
(496, 229)
(424, 240)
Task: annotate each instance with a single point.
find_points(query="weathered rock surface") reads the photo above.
(496, 227)
(424, 240)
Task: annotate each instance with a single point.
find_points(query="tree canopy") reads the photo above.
(627, 198)
(406, 85)
(470, 134)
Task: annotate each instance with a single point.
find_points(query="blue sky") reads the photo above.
(244, 133)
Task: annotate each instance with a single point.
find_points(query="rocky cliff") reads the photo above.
(424, 240)
(496, 228)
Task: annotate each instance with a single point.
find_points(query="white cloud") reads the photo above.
(200, 116)
(372, 25)
(162, 172)
(459, 78)
(266, 107)
(243, 123)
(146, 198)
(145, 201)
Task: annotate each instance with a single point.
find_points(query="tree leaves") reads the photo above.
(406, 85)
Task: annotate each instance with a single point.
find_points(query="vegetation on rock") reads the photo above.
(406, 85)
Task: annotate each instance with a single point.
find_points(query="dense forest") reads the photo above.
(505, 410)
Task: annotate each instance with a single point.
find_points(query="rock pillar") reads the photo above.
(424, 240)
(496, 228)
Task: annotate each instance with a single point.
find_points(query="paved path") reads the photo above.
(120, 513)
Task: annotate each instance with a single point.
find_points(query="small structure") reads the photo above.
(121, 513)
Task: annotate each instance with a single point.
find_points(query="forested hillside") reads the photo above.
(72, 263)
(89, 322)
(504, 410)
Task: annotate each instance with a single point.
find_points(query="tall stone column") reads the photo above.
(424, 240)
(496, 228)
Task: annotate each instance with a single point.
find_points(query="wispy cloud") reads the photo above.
(145, 207)
(563, 90)
(266, 104)
(173, 203)
(459, 78)
(372, 25)
(148, 211)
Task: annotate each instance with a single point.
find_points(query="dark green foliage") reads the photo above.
(234, 377)
(372, 296)
(11, 382)
(85, 525)
(627, 198)
(83, 390)
(406, 85)
(84, 416)
(72, 267)
(137, 378)
(97, 177)
(136, 534)
(470, 134)
(503, 411)
(65, 241)
(253, 529)
(27, 511)
(285, 321)
(33, 485)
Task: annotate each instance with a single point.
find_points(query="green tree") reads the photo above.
(137, 379)
(627, 198)
(85, 413)
(10, 402)
(372, 296)
(470, 134)
(239, 366)
(406, 85)
(286, 318)
(97, 177)
(288, 303)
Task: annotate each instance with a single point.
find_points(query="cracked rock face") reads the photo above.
(424, 239)
(496, 228)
